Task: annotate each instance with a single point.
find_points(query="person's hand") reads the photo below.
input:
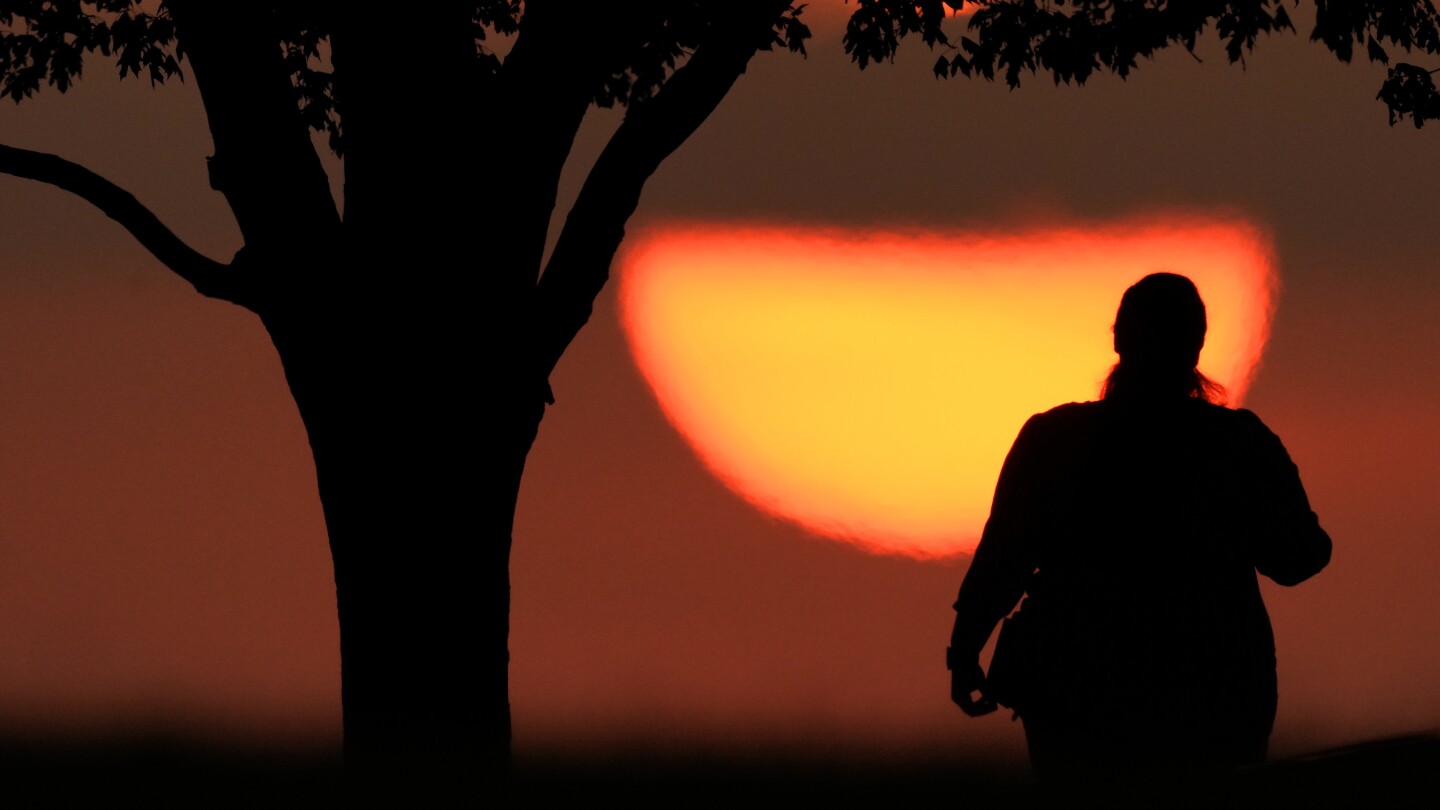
(965, 685)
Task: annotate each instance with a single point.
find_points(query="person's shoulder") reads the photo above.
(1063, 417)
(1070, 410)
(1237, 418)
(1043, 433)
(1238, 425)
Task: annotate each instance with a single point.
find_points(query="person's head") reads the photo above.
(1159, 331)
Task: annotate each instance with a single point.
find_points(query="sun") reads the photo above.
(867, 386)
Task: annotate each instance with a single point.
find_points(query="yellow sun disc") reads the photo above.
(868, 385)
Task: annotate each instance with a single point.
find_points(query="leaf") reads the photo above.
(1282, 20)
(1377, 53)
(1410, 90)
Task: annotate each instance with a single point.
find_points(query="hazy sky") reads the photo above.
(162, 555)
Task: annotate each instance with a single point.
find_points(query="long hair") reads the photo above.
(1123, 380)
(1159, 331)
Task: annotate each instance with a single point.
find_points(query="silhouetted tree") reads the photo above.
(418, 330)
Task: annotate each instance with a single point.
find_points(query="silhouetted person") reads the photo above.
(1135, 526)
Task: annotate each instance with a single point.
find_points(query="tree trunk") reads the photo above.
(418, 480)
(386, 326)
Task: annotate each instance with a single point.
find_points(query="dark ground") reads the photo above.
(167, 772)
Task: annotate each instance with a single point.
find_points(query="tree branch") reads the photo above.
(389, 112)
(208, 276)
(541, 96)
(264, 163)
(580, 265)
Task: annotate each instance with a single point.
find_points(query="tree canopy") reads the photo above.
(1071, 40)
(44, 43)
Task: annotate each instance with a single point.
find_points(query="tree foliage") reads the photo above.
(1071, 40)
(44, 42)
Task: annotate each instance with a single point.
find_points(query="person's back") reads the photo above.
(1152, 638)
(1136, 525)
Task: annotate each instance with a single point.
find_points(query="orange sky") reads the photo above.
(164, 563)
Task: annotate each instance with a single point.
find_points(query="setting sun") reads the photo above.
(868, 385)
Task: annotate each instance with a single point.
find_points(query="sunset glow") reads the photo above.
(868, 385)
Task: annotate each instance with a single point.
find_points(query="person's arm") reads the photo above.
(1000, 570)
(1290, 547)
